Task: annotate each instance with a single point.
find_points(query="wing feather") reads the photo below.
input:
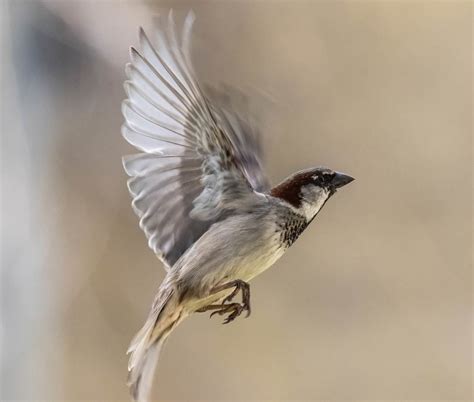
(196, 164)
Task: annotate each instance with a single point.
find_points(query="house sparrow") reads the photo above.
(201, 195)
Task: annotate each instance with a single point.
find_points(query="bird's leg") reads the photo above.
(235, 309)
(238, 284)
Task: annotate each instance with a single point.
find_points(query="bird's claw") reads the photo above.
(234, 310)
(245, 288)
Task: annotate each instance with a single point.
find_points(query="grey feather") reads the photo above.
(199, 157)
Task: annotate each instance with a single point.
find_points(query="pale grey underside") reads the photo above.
(199, 156)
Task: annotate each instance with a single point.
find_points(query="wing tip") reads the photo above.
(126, 159)
(128, 68)
(134, 52)
(125, 131)
(143, 39)
(126, 86)
(190, 16)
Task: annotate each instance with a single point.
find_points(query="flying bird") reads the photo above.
(200, 192)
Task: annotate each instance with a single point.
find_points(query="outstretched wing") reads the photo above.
(241, 115)
(199, 161)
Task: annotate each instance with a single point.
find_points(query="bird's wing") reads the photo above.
(198, 160)
(241, 116)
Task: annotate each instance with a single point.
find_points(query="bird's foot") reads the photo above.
(238, 285)
(233, 309)
(242, 286)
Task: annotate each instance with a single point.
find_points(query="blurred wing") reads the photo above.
(241, 115)
(196, 162)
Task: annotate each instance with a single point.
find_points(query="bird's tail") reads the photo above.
(146, 345)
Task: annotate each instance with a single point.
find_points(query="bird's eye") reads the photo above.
(328, 176)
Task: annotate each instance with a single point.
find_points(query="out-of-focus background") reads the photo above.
(373, 302)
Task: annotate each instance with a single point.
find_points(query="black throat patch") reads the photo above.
(290, 226)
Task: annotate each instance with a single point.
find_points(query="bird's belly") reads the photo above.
(246, 269)
(228, 255)
(253, 262)
(256, 264)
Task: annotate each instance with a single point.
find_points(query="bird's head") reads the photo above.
(308, 190)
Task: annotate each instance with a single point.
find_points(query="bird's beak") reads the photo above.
(341, 179)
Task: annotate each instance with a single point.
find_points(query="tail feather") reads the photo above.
(146, 346)
(140, 379)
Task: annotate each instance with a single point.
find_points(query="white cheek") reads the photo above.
(310, 209)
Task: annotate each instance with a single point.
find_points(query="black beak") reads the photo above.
(340, 180)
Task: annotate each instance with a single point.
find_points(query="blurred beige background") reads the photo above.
(373, 302)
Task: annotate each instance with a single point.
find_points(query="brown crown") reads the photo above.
(290, 189)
